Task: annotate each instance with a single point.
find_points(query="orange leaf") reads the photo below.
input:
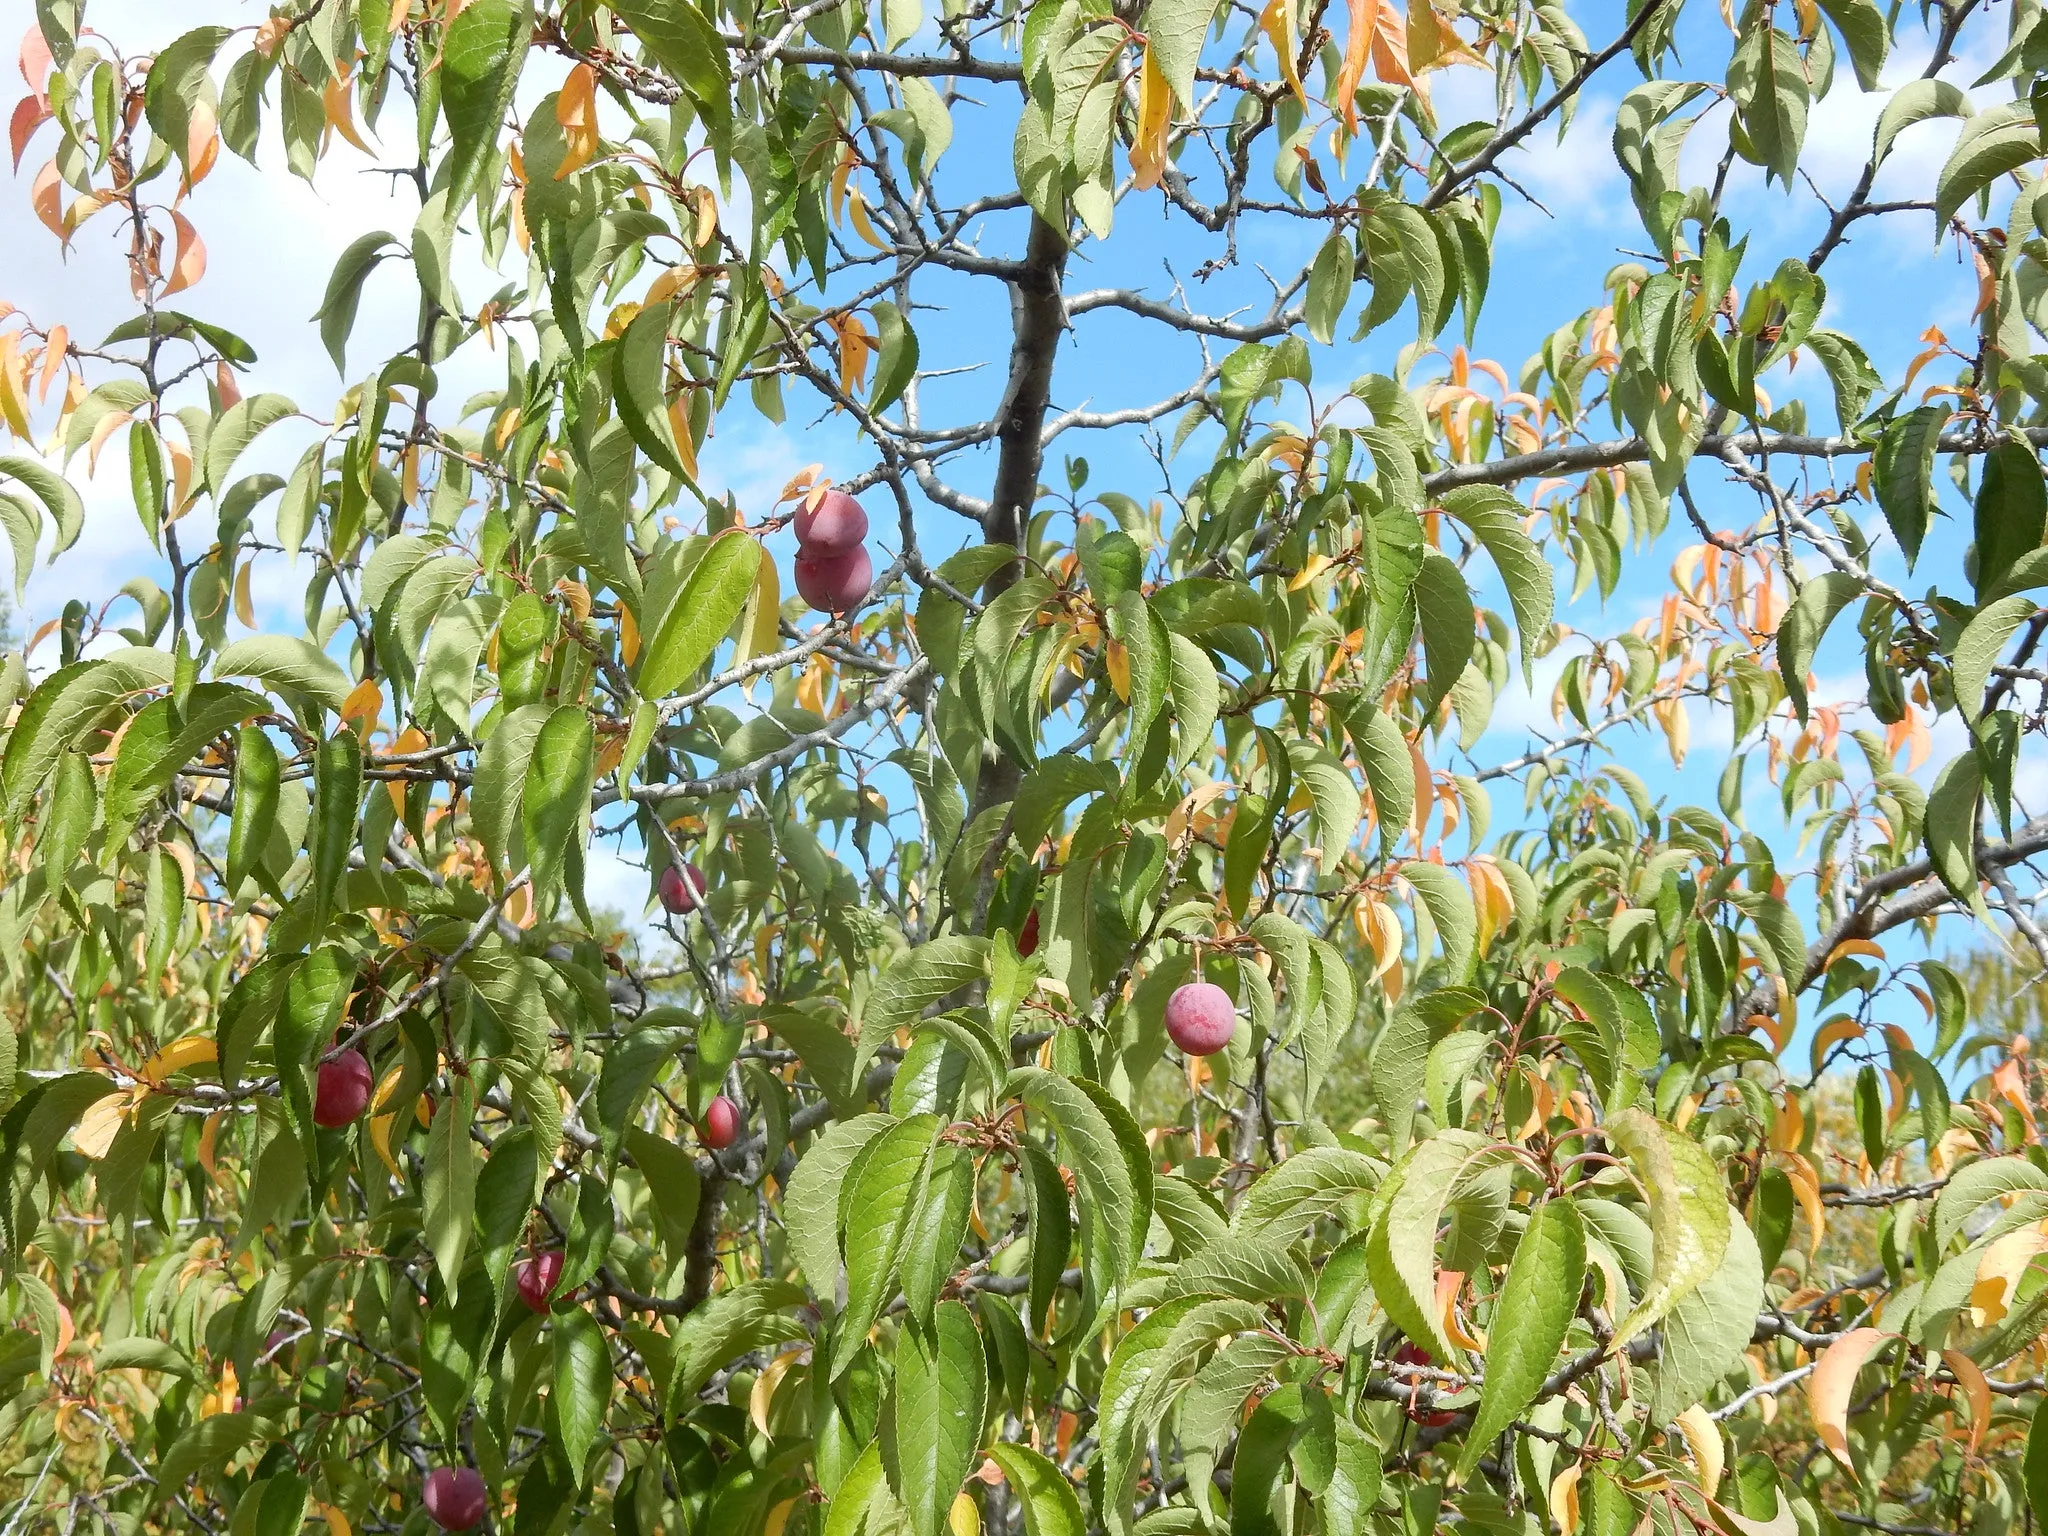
(46, 196)
(1357, 49)
(190, 263)
(36, 62)
(30, 113)
(1975, 1388)
(341, 113)
(53, 358)
(1833, 1381)
(1390, 49)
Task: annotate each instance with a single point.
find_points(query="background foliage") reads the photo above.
(1584, 1159)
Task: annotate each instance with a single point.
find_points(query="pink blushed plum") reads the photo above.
(721, 1127)
(536, 1278)
(455, 1497)
(835, 526)
(1201, 1018)
(342, 1090)
(834, 583)
(681, 888)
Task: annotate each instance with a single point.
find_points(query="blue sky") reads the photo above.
(272, 240)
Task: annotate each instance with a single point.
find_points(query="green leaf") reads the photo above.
(1097, 1137)
(1443, 606)
(210, 1443)
(2034, 1466)
(1767, 80)
(240, 425)
(915, 980)
(286, 664)
(1951, 826)
(898, 363)
(1982, 643)
(1996, 141)
(1806, 623)
(64, 707)
(935, 1422)
(1450, 907)
(163, 739)
(1401, 1251)
(1536, 1308)
(1867, 34)
(1903, 469)
(1389, 769)
(703, 611)
(481, 58)
(640, 387)
(1689, 1215)
(1050, 1505)
(1306, 1188)
(810, 1204)
(747, 1317)
(683, 43)
(256, 780)
(1494, 518)
(557, 803)
(450, 1183)
(65, 506)
(1175, 29)
(1329, 283)
(583, 1385)
(1703, 1337)
(501, 773)
(1915, 102)
(877, 1202)
(337, 312)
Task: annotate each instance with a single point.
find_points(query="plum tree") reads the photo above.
(1323, 874)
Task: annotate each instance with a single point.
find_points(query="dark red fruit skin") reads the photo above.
(721, 1126)
(455, 1498)
(342, 1090)
(834, 583)
(1027, 936)
(681, 888)
(1414, 1354)
(536, 1278)
(833, 527)
(1201, 1018)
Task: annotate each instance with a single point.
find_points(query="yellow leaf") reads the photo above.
(1999, 1271)
(1311, 568)
(1703, 1439)
(337, 1522)
(99, 1125)
(363, 705)
(762, 1398)
(1831, 1385)
(1116, 659)
(863, 226)
(964, 1519)
(178, 1056)
(245, 609)
(1155, 121)
(629, 634)
(13, 386)
(1277, 22)
(686, 440)
(1564, 1499)
(46, 196)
